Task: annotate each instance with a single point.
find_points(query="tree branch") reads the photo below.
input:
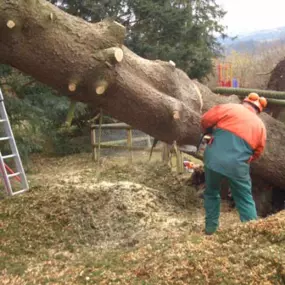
(70, 55)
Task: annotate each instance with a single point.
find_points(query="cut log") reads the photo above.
(140, 92)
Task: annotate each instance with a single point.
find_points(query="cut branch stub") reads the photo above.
(101, 87)
(118, 54)
(11, 24)
(176, 115)
(72, 87)
(111, 55)
(172, 63)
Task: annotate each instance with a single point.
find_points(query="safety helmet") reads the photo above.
(255, 100)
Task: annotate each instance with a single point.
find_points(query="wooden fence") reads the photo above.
(97, 146)
(166, 150)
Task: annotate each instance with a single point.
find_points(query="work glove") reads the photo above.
(250, 159)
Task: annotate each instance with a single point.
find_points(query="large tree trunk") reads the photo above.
(83, 60)
(277, 82)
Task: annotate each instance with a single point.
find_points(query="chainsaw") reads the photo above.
(188, 148)
(205, 136)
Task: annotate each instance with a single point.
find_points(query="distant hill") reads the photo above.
(249, 42)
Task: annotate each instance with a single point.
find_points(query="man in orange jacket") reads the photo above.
(238, 138)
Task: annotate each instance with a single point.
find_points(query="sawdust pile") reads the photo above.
(128, 224)
(74, 205)
(246, 254)
(108, 214)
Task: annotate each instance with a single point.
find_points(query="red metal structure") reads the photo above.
(12, 172)
(225, 74)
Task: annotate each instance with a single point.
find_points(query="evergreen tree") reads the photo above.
(185, 32)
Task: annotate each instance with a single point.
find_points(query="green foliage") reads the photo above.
(185, 32)
(22, 117)
(37, 116)
(50, 114)
(5, 70)
(181, 31)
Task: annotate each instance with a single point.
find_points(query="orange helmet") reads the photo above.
(255, 100)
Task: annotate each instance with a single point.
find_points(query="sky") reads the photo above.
(246, 16)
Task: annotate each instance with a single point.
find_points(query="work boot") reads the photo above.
(210, 231)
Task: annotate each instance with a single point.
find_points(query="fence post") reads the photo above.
(93, 142)
(70, 114)
(179, 162)
(165, 153)
(130, 143)
(100, 135)
(148, 141)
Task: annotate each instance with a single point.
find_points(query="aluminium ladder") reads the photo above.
(20, 173)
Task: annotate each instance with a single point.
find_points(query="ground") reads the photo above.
(119, 222)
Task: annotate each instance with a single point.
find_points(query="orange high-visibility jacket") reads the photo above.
(242, 121)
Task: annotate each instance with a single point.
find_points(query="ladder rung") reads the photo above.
(14, 174)
(19, 192)
(3, 120)
(9, 156)
(4, 138)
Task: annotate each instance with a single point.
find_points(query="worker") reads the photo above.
(238, 138)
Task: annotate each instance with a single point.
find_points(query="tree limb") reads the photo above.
(152, 96)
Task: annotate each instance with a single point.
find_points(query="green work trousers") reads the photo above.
(241, 192)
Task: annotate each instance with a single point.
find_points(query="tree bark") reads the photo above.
(89, 63)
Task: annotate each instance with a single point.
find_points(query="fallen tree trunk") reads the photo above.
(277, 82)
(88, 63)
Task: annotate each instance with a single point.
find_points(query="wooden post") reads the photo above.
(124, 147)
(116, 126)
(179, 161)
(93, 142)
(148, 141)
(178, 155)
(130, 143)
(100, 134)
(165, 153)
(70, 114)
